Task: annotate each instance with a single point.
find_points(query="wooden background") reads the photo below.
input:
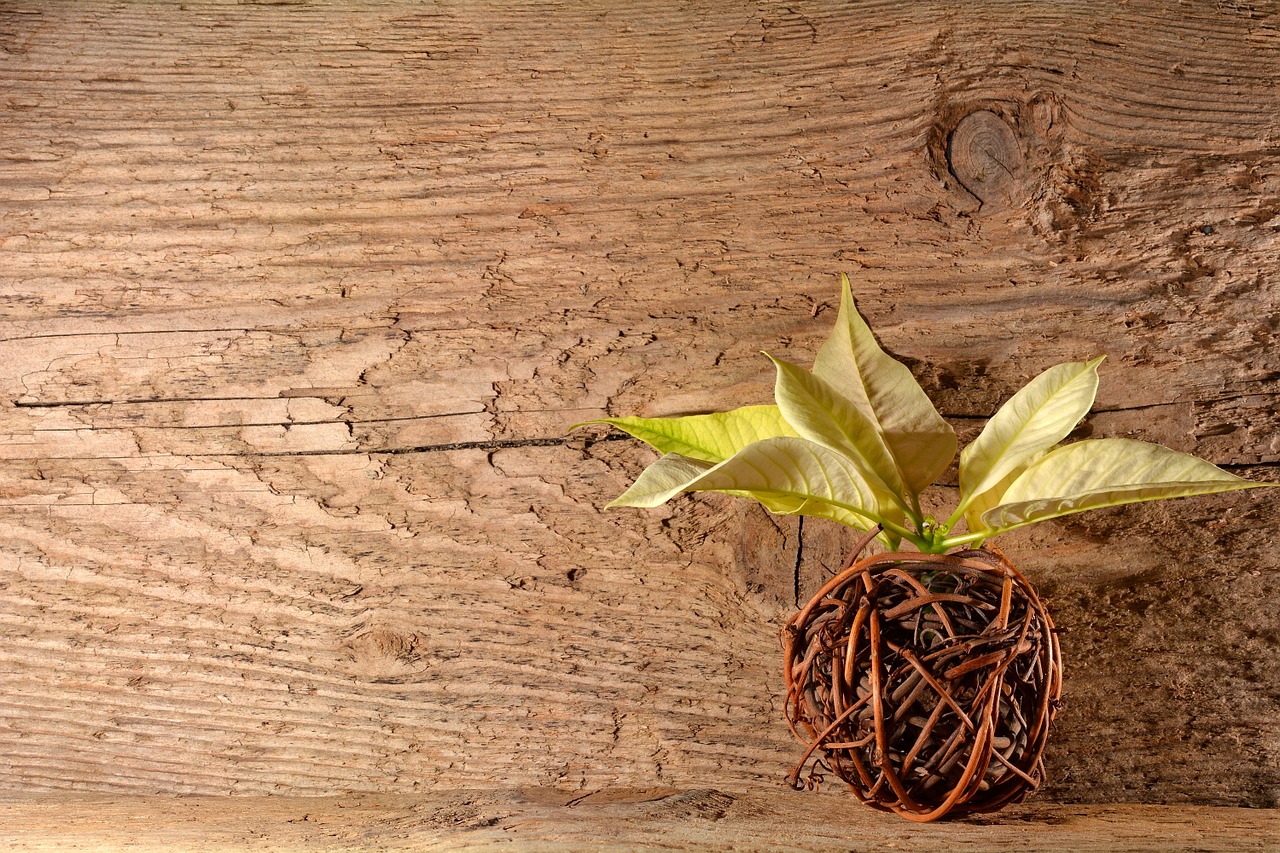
(299, 300)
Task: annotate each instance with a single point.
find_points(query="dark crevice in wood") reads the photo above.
(350, 422)
(799, 557)
(54, 404)
(1247, 466)
(114, 333)
(493, 444)
(57, 404)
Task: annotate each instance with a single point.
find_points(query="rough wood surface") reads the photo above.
(703, 819)
(300, 298)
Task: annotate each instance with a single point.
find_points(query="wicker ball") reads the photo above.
(926, 682)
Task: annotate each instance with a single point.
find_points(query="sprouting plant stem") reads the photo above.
(967, 539)
(909, 535)
(955, 517)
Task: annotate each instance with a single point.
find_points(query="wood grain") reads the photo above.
(611, 819)
(299, 300)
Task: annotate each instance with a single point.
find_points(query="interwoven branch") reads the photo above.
(927, 682)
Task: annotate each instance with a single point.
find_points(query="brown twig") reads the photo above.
(926, 682)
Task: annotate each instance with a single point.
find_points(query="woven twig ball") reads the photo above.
(926, 682)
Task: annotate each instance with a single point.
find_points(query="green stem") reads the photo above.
(909, 535)
(969, 538)
(956, 516)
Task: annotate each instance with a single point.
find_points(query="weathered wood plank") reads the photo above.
(610, 819)
(298, 300)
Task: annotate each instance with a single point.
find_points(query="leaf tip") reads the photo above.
(846, 291)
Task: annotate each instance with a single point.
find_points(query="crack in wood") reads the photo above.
(799, 558)
(348, 422)
(55, 404)
(489, 445)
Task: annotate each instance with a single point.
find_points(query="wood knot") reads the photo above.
(985, 156)
(384, 655)
(384, 643)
